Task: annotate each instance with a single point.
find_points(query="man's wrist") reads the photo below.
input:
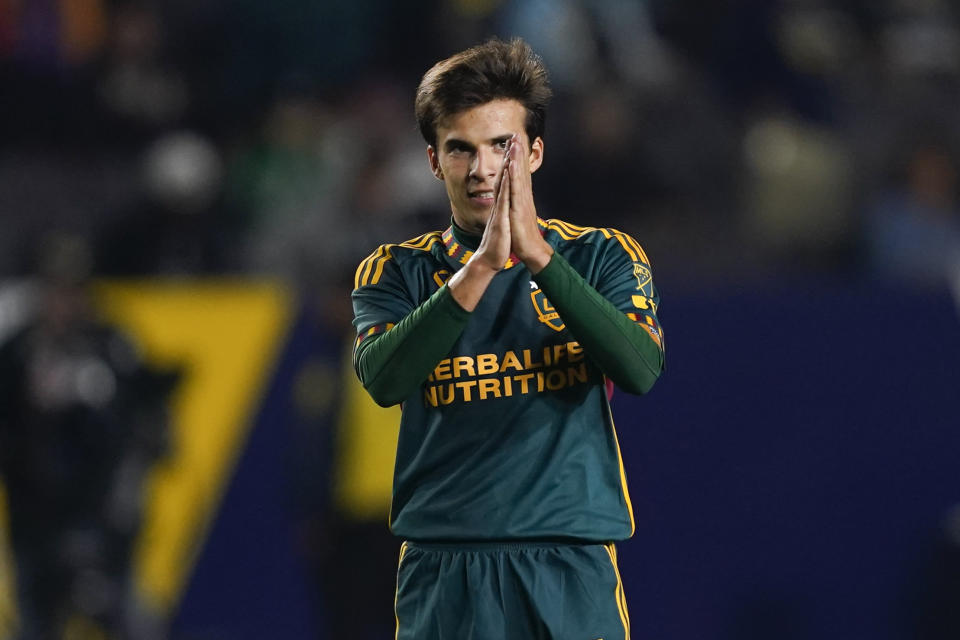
(479, 266)
(537, 257)
(468, 285)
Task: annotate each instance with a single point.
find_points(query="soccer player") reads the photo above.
(498, 336)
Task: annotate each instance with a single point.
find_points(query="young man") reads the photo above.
(498, 336)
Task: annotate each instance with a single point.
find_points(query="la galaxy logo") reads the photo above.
(545, 311)
(441, 277)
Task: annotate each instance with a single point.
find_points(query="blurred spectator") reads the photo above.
(326, 179)
(912, 231)
(82, 419)
(48, 49)
(340, 466)
(139, 90)
(798, 190)
(288, 185)
(588, 42)
(178, 225)
(922, 38)
(357, 544)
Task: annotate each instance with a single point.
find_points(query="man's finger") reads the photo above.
(520, 171)
(502, 203)
(519, 181)
(503, 167)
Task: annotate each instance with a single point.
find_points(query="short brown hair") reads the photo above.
(493, 70)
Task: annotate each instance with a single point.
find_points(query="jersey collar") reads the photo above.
(460, 245)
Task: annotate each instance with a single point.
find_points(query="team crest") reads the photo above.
(644, 279)
(545, 311)
(441, 277)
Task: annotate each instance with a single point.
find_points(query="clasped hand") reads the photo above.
(512, 227)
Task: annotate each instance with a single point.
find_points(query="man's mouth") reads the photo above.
(483, 195)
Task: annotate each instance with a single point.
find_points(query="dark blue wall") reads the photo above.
(790, 467)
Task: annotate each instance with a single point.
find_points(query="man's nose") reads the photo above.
(486, 163)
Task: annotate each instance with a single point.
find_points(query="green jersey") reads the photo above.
(508, 435)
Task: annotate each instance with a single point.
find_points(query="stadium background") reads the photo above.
(790, 167)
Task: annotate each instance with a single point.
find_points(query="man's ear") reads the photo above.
(434, 162)
(536, 154)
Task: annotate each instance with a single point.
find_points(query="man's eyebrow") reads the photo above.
(456, 143)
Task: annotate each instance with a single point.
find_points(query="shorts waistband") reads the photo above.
(498, 545)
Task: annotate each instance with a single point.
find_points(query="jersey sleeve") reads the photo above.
(380, 297)
(398, 341)
(626, 280)
(601, 313)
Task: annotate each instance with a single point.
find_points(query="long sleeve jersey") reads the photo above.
(506, 431)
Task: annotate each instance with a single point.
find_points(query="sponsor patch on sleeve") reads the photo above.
(650, 325)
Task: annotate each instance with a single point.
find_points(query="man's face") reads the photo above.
(469, 155)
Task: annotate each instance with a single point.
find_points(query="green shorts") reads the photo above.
(502, 591)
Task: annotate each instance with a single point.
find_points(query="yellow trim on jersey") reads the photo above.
(622, 239)
(372, 330)
(566, 230)
(575, 229)
(623, 472)
(422, 242)
(371, 268)
(396, 593)
(618, 592)
(364, 267)
(640, 250)
(635, 250)
(375, 278)
(569, 231)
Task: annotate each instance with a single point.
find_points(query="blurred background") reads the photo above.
(187, 187)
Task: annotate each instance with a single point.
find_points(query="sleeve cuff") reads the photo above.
(449, 304)
(556, 274)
